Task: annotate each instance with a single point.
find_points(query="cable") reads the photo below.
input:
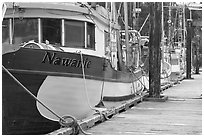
(144, 23)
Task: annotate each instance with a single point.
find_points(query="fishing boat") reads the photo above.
(61, 58)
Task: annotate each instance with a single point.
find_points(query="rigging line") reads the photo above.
(119, 10)
(146, 59)
(119, 15)
(144, 87)
(144, 22)
(122, 20)
(133, 85)
(144, 72)
(166, 75)
(136, 77)
(143, 69)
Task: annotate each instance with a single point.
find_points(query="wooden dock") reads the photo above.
(181, 114)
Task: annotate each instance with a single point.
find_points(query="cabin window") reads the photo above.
(24, 30)
(74, 34)
(51, 31)
(5, 31)
(90, 35)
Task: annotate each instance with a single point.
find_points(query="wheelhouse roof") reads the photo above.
(101, 14)
(49, 5)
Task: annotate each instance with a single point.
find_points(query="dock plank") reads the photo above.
(181, 114)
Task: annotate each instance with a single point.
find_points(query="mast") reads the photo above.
(169, 27)
(121, 65)
(169, 40)
(113, 37)
(136, 11)
(184, 27)
(106, 5)
(188, 49)
(134, 16)
(126, 34)
(180, 27)
(162, 37)
(110, 32)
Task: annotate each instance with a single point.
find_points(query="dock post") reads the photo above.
(188, 49)
(197, 57)
(127, 34)
(154, 50)
(197, 48)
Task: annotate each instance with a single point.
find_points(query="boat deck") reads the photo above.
(181, 114)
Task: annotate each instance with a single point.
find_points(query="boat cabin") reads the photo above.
(71, 26)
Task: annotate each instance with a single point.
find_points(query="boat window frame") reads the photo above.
(90, 43)
(13, 27)
(39, 31)
(63, 33)
(78, 23)
(62, 42)
(85, 46)
(11, 31)
(42, 36)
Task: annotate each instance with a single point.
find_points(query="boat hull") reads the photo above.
(19, 112)
(56, 79)
(68, 97)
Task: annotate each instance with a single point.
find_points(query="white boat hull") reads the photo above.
(67, 95)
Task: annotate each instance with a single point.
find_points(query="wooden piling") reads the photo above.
(154, 50)
(188, 49)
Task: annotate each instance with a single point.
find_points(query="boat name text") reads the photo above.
(51, 58)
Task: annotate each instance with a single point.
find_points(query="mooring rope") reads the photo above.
(133, 85)
(74, 124)
(137, 78)
(62, 120)
(143, 71)
(85, 87)
(84, 79)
